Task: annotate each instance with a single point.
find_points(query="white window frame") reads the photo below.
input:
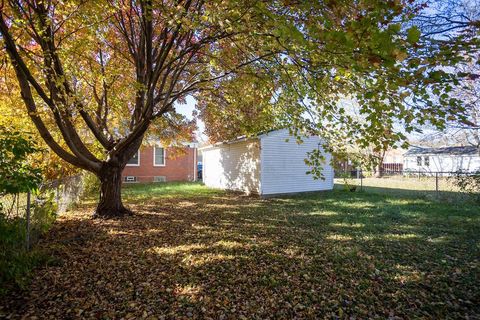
(125, 179)
(138, 162)
(164, 157)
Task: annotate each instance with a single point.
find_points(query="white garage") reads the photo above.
(268, 164)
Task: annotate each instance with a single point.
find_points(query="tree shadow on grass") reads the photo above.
(226, 256)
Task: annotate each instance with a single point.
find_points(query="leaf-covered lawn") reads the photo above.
(191, 252)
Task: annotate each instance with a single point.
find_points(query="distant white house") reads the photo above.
(448, 159)
(268, 164)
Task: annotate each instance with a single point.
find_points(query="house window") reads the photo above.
(130, 179)
(159, 179)
(426, 161)
(135, 160)
(158, 156)
(419, 161)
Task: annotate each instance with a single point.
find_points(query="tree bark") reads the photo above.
(110, 204)
(378, 170)
(379, 166)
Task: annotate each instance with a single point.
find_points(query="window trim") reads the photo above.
(164, 156)
(125, 180)
(138, 161)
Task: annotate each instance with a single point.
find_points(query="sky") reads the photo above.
(186, 109)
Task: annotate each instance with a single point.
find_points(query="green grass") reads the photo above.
(424, 183)
(194, 252)
(411, 187)
(166, 190)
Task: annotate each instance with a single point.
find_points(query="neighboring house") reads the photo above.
(393, 160)
(160, 164)
(392, 163)
(447, 159)
(266, 165)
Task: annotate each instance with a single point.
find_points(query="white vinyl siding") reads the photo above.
(233, 166)
(158, 156)
(283, 165)
(442, 163)
(135, 160)
(266, 165)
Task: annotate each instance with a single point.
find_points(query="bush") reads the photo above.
(16, 261)
(468, 183)
(44, 213)
(16, 173)
(346, 176)
(17, 177)
(91, 184)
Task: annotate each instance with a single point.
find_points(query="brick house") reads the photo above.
(160, 164)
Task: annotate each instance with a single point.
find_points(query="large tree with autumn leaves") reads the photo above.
(94, 76)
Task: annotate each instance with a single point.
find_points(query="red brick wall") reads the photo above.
(178, 167)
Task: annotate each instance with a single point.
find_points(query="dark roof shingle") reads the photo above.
(465, 150)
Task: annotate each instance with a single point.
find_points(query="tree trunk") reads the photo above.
(378, 170)
(110, 202)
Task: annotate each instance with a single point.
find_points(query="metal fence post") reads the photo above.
(27, 236)
(436, 183)
(361, 180)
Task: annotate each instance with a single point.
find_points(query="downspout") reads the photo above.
(260, 178)
(194, 164)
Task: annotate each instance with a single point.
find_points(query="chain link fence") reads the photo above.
(27, 215)
(443, 185)
(24, 218)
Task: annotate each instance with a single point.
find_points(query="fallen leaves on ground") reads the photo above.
(225, 256)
